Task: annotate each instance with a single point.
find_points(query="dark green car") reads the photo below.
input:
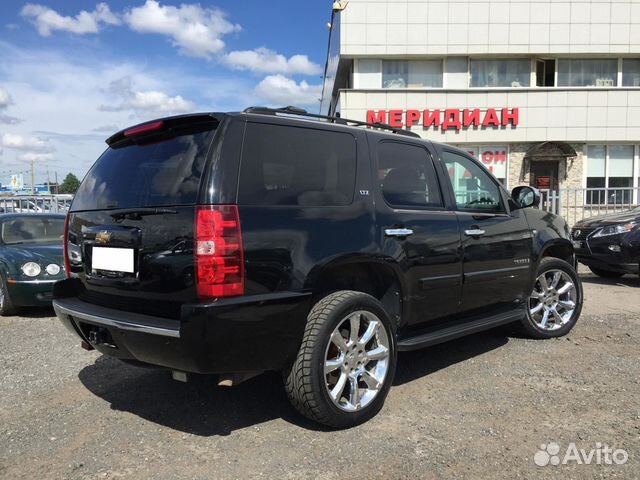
(31, 259)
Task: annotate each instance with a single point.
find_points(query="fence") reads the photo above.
(36, 204)
(574, 204)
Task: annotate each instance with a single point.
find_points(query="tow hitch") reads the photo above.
(101, 336)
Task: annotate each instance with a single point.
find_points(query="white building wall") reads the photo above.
(429, 27)
(545, 114)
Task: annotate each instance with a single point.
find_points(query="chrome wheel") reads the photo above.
(356, 361)
(553, 300)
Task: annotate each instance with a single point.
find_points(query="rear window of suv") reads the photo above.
(284, 165)
(146, 175)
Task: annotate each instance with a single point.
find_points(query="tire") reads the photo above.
(547, 300)
(6, 305)
(606, 273)
(307, 384)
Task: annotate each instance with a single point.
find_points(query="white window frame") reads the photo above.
(635, 171)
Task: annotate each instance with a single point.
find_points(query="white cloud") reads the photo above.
(144, 103)
(25, 143)
(106, 129)
(48, 20)
(35, 157)
(281, 91)
(5, 101)
(5, 98)
(263, 60)
(195, 30)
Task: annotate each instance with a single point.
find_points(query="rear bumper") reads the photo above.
(239, 334)
(31, 293)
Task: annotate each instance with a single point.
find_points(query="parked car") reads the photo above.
(318, 249)
(609, 244)
(31, 259)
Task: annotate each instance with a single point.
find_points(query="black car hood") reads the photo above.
(42, 253)
(610, 219)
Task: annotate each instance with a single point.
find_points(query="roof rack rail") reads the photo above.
(291, 110)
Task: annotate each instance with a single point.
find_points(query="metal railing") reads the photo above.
(35, 204)
(575, 204)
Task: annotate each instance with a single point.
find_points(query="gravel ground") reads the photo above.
(478, 407)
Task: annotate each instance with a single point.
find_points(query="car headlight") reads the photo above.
(31, 269)
(53, 269)
(615, 229)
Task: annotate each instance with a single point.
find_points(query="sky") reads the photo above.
(74, 72)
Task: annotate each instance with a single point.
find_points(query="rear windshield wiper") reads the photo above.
(138, 213)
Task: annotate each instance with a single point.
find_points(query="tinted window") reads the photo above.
(296, 166)
(407, 176)
(32, 229)
(473, 187)
(155, 174)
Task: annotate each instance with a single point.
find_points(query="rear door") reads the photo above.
(496, 242)
(416, 229)
(132, 220)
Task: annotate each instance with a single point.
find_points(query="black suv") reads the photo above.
(270, 240)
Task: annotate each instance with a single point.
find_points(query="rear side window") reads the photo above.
(407, 176)
(296, 166)
(146, 175)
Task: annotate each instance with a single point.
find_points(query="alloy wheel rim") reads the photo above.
(553, 300)
(356, 361)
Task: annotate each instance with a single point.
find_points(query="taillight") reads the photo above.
(219, 251)
(65, 249)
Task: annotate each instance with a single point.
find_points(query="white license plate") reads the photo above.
(112, 259)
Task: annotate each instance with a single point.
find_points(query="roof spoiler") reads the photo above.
(162, 125)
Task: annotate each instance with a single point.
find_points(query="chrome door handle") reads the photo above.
(474, 232)
(398, 232)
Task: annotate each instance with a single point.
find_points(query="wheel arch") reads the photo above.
(559, 248)
(379, 277)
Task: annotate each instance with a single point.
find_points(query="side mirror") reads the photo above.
(525, 197)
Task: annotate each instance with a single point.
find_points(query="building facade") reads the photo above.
(545, 93)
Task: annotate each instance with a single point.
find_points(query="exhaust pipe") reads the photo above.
(233, 379)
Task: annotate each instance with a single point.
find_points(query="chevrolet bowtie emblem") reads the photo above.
(103, 237)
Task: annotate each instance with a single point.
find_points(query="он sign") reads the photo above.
(449, 119)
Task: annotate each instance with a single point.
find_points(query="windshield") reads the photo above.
(32, 229)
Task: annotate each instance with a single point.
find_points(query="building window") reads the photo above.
(493, 158)
(500, 73)
(610, 174)
(631, 72)
(412, 74)
(545, 73)
(588, 72)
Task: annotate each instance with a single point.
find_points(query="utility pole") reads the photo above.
(48, 182)
(33, 182)
(57, 187)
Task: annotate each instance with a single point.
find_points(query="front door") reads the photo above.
(417, 231)
(544, 174)
(497, 243)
